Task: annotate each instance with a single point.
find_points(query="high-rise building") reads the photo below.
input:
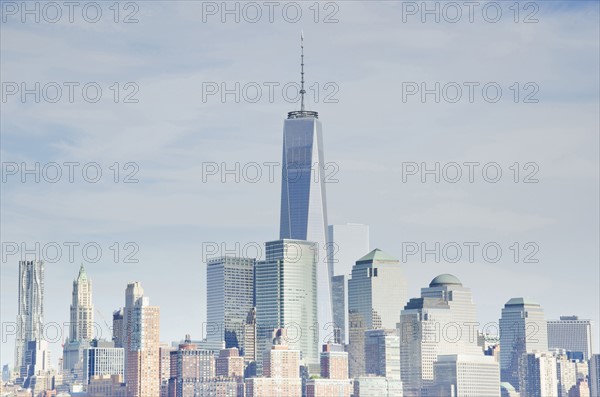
(572, 334)
(382, 353)
(102, 358)
(377, 292)
(334, 381)
(441, 322)
(230, 295)
(36, 362)
(594, 375)
(523, 329)
(538, 377)
(141, 343)
(81, 329)
(566, 373)
(229, 363)
(347, 243)
(286, 297)
(30, 313)
(334, 362)
(303, 197)
(250, 344)
(165, 368)
(281, 370)
(118, 326)
(462, 375)
(190, 368)
(82, 309)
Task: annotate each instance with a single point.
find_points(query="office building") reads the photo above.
(286, 297)
(377, 292)
(30, 312)
(102, 359)
(538, 377)
(304, 200)
(523, 330)
(141, 343)
(572, 334)
(382, 353)
(229, 297)
(462, 375)
(441, 322)
(347, 243)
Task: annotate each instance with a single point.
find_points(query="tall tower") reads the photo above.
(303, 199)
(377, 292)
(30, 314)
(229, 297)
(142, 345)
(82, 309)
(286, 297)
(438, 323)
(523, 329)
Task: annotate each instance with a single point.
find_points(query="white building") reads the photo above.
(103, 359)
(30, 312)
(461, 375)
(572, 334)
(441, 322)
(538, 376)
(377, 292)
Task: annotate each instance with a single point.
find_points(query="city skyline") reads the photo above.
(164, 246)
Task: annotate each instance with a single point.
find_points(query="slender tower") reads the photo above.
(30, 315)
(303, 199)
(82, 309)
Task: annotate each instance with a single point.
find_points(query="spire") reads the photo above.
(82, 274)
(302, 113)
(302, 91)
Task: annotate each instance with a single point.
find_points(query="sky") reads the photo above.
(162, 119)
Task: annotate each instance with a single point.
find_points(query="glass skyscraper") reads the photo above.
(286, 297)
(30, 315)
(230, 296)
(523, 330)
(303, 200)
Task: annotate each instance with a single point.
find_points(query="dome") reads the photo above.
(445, 279)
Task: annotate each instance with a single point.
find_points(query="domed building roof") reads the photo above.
(445, 279)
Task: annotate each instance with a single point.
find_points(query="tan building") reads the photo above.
(281, 372)
(334, 362)
(191, 367)
(107, 386)
(229, 363)
(165, 368)
(142, 351)
(334, 371)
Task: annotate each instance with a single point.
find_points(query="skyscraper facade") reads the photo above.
(382, 353)
(141, 343)
(440, 322)
(377, 292)
(594, 375)
(462, 375)
(538, 375)
(102, 358)
(191, 366)
(286, 297)
(347, 243)
(523, 329)
(30, 312)
(230, 296)
(303, 196)
(82, 309)
(572, 334)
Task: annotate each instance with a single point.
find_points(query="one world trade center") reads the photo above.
(303, 198)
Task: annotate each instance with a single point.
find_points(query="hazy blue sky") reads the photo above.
(175, 49)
